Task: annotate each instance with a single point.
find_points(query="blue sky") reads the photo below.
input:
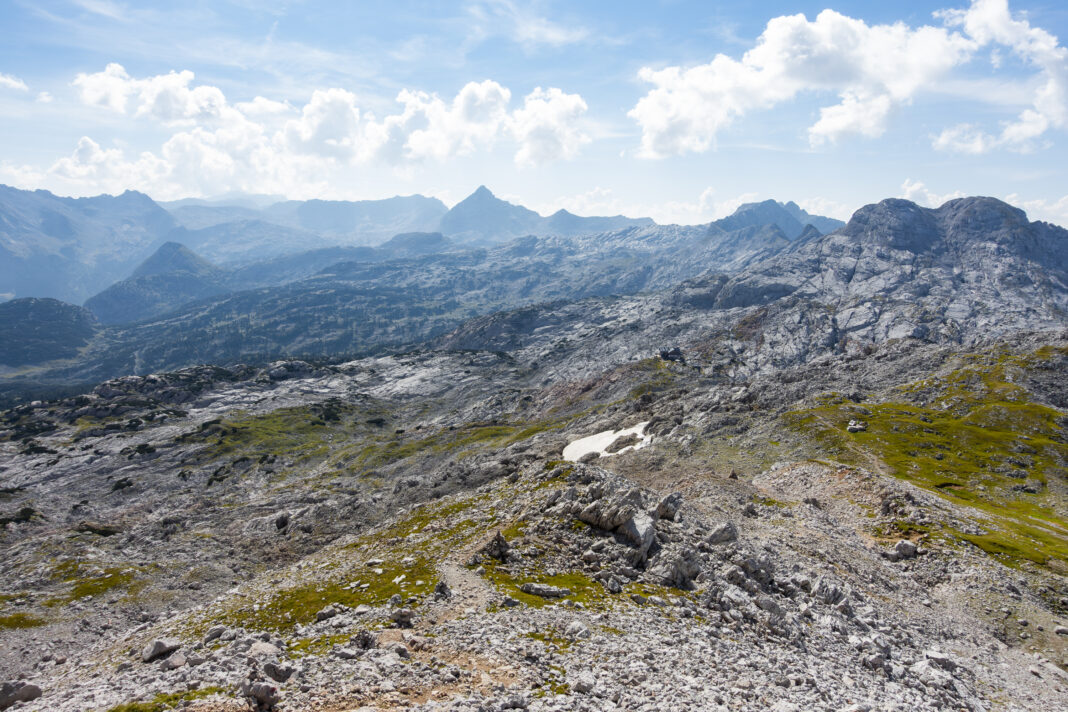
(676, 110)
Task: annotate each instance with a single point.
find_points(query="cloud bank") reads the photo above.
(264, 145)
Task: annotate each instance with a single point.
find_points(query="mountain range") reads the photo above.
(72, 249)
(971, 269)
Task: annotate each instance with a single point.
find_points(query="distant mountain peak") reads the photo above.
(174, 257)
(789, 216)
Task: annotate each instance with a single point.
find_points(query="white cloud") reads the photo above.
(989, 22)
(109, 88)
(547, 126)
(165, 97)
(264, 145)
(430, 128)
(964, 138)
(262, 106)
(871, 68)
(855, 115)
(920, 194)
(44, 98)
(107, 169)
(8, 81)
(329, 125)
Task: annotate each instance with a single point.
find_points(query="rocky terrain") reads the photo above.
(332, 532)
(834, 478)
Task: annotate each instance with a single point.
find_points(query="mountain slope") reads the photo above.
(70, 248)
(897, 269)
(171, 277)
(34, 331)
(174, 257)
(967, 273)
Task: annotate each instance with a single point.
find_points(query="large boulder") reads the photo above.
(12, 693)
(159, 648)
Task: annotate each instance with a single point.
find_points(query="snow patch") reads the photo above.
(597, 443)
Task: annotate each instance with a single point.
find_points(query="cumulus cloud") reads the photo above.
(165, 97)
(872, 68)
(8, 81)
(989, 22)
(329, 125)
(547, 127)
(265, 145)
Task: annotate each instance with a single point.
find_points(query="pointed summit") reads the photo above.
(483, 217)
(174, 257)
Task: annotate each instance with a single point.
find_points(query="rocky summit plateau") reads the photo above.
(498, 461)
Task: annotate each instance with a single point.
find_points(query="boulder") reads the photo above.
(173, 662)
(677, 567)
(12, 693)
(724, 533)
(544, 590)
(159, 648)
(669, 506)
(623, 441)
(498, 548)
(639, 530)
(905, 549)
(279, 672)
(403, 617)
(262, 695)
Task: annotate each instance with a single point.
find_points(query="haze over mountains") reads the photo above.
(973, 268)
(71, 249)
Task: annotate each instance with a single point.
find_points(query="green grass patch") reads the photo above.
(92, 582)
(168, 700)
(301, 647)
(298, 604)
(297, 432)
(973, 436)
(21, 620)
(562, 644)
(583, 589)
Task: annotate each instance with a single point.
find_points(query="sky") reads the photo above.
(674, 110)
